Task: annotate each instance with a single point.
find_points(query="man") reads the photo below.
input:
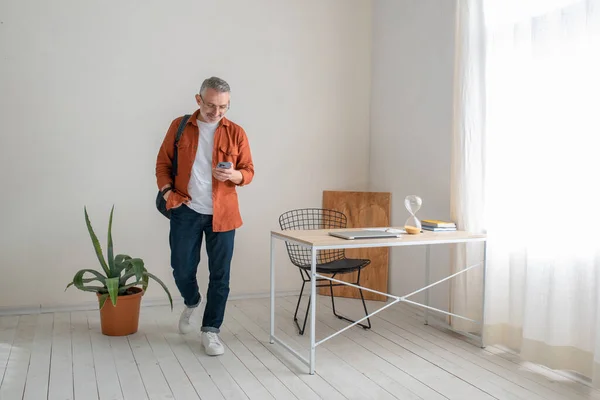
(203, 203)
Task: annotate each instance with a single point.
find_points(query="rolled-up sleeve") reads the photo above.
(164, 159)
(244, 161)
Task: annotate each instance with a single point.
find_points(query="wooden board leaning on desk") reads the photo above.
(363, 209)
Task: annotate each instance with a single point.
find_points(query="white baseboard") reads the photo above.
(93, 305)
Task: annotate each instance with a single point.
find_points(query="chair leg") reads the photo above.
(368, 326)
(366, 312)
(363, 301)
(332, 298)
(301, 330)
(298, 306)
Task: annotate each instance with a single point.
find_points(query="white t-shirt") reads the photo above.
(200, 186)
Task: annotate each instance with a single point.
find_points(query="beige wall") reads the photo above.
(411, 123)
(88, 89)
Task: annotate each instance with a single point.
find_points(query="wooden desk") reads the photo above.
(321, 240)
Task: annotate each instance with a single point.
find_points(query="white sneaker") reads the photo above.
(184, 321)
(212, 344)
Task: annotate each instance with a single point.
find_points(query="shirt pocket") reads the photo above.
(228, 153)
(184, 145)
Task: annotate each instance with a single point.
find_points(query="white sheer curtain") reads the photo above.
(541, 186)
(468, 160)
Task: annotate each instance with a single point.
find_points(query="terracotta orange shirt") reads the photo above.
(230, 144)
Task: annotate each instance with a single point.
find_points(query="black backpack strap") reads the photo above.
(182, 124)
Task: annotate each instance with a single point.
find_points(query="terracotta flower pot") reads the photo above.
(122, 319)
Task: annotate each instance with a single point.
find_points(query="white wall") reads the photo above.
(411, 123)
(88, 89)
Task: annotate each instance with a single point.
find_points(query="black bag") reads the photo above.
(161, 204)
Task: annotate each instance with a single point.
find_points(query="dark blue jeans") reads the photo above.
(187, 230)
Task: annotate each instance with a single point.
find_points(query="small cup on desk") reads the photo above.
(412, 230)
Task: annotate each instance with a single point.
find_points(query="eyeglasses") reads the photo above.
(214, 106)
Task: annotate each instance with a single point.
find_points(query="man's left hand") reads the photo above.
(229, 174)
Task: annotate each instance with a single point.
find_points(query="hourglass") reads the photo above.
(412, 224)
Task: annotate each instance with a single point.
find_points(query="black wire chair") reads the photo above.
(332, 262)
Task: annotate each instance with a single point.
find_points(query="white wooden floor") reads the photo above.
(64, 356)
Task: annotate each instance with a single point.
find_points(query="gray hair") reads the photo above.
(215, 83)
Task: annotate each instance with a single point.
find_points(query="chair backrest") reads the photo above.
(312, 218)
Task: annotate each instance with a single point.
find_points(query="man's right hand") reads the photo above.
(168, 194)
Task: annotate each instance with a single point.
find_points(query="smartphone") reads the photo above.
(224, 164)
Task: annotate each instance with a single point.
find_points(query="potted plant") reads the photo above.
(119, 281)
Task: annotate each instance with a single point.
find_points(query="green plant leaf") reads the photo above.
(123, 289)
(123, 280)
(127, 266)
(102, 300)
(85, 280)
(95, 289)
(134, 268)
(163, 286)
(111, 259)
(138, 267)
(97, 275)
(145, 282)
(79, 281)
(96, 244)
(112, 284)
(121, 262)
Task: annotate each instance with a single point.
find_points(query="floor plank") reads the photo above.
(344, 377)
(38, 374)
(203, 384)
(380, 370)
(17, 367)
(294, 379)
(398, 341)
(61, 362)
(312, 387)
(152, 375)
(8, 330)
(262, 374)
(130, 378)
(107, 377)
(539, 384)
(380, 363)
(84, 371)
(230, 389)
(176, 378)
(65, 356)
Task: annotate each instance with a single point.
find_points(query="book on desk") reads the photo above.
(438, 225)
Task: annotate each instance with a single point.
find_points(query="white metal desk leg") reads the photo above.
(313, 308)
(483, 293)
(272, 291)
(427, 280)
